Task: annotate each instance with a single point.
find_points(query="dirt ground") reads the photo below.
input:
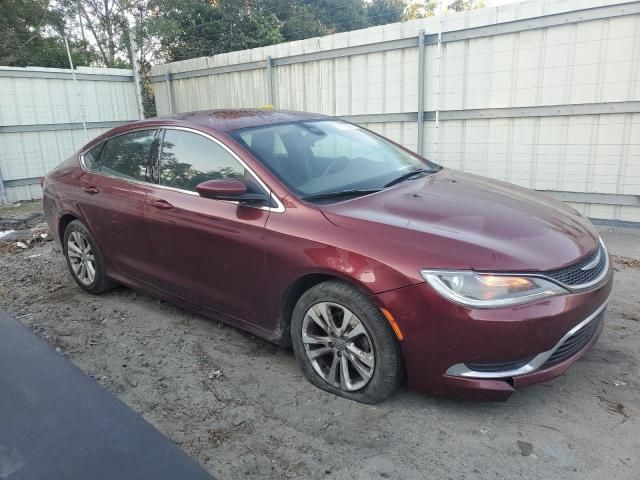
(240, 406)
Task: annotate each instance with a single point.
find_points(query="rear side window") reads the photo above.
(187, 159)
(127, 155)
(91, 158)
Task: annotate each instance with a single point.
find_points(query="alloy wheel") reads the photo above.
(338, 346)
(81, 257)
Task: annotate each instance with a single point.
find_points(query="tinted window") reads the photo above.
(188, 159)
(91, 158)
(325, 156)
(127, 155)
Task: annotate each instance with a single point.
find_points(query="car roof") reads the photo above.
(227, 120)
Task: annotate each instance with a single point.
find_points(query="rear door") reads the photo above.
(112, 201)
(208, 251)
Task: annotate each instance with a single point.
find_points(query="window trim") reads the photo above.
(279, 208)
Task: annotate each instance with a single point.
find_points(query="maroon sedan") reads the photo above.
(372, 262)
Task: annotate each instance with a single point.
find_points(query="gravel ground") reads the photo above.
(240, 406)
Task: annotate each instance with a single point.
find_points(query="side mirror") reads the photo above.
(230, 189)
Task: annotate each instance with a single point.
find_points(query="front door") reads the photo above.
(112, 201)
(208, 251)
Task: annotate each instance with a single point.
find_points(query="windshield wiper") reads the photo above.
(341, 193)
(407, 176)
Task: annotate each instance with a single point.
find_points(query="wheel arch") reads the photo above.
(298, 288)
(63, 223)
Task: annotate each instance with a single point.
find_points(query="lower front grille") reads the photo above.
(574, 343)
(498, 366)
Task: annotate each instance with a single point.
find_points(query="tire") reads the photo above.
(367, 330)
(76, 235)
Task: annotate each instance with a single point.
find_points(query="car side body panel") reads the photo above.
(113, 212)
(210, 252)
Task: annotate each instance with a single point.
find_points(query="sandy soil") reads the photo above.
(240, 407)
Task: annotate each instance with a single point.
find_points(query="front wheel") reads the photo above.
(344, 344)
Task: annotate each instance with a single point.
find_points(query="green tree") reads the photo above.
(103, 24)
(381, 12)
(428, 8)
(32, 34)
(460, 5)
(197, 28)
(341, 15)
(296, 19)
(422, 9)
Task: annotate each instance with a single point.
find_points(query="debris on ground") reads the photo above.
(612, 406)
(631, 316)
(20, 232)
(525, 448)
(22, 221)
(620, 261)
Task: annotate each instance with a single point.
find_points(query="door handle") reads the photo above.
(161, 204)
(90, 189)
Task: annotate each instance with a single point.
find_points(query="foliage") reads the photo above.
(31, 34)
(428, 8)
(381, 12)
(460, 5)
(421, 9)
(195, 28)
(103, 24)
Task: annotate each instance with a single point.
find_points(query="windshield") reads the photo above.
(316, 158)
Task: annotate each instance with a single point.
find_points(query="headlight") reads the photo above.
(484, 290)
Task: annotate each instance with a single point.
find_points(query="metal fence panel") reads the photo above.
(42, 119)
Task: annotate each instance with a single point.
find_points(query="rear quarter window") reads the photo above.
(92, 158)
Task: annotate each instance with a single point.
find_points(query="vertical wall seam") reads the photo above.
(383, 76)
(602, 58)
(635, 62)
(421, 91)
(349, 87)
(559, 182)
(334, 99)
(508, 161)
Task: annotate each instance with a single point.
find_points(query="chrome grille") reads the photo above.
(574, 275)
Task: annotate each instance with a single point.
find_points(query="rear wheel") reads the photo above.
(85, 259)
(344, 344)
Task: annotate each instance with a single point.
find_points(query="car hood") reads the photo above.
(458, 220)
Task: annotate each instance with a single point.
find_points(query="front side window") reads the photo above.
(187, 159)
(127, 155)
(314, 158)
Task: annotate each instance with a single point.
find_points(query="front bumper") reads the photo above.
(443, 341)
